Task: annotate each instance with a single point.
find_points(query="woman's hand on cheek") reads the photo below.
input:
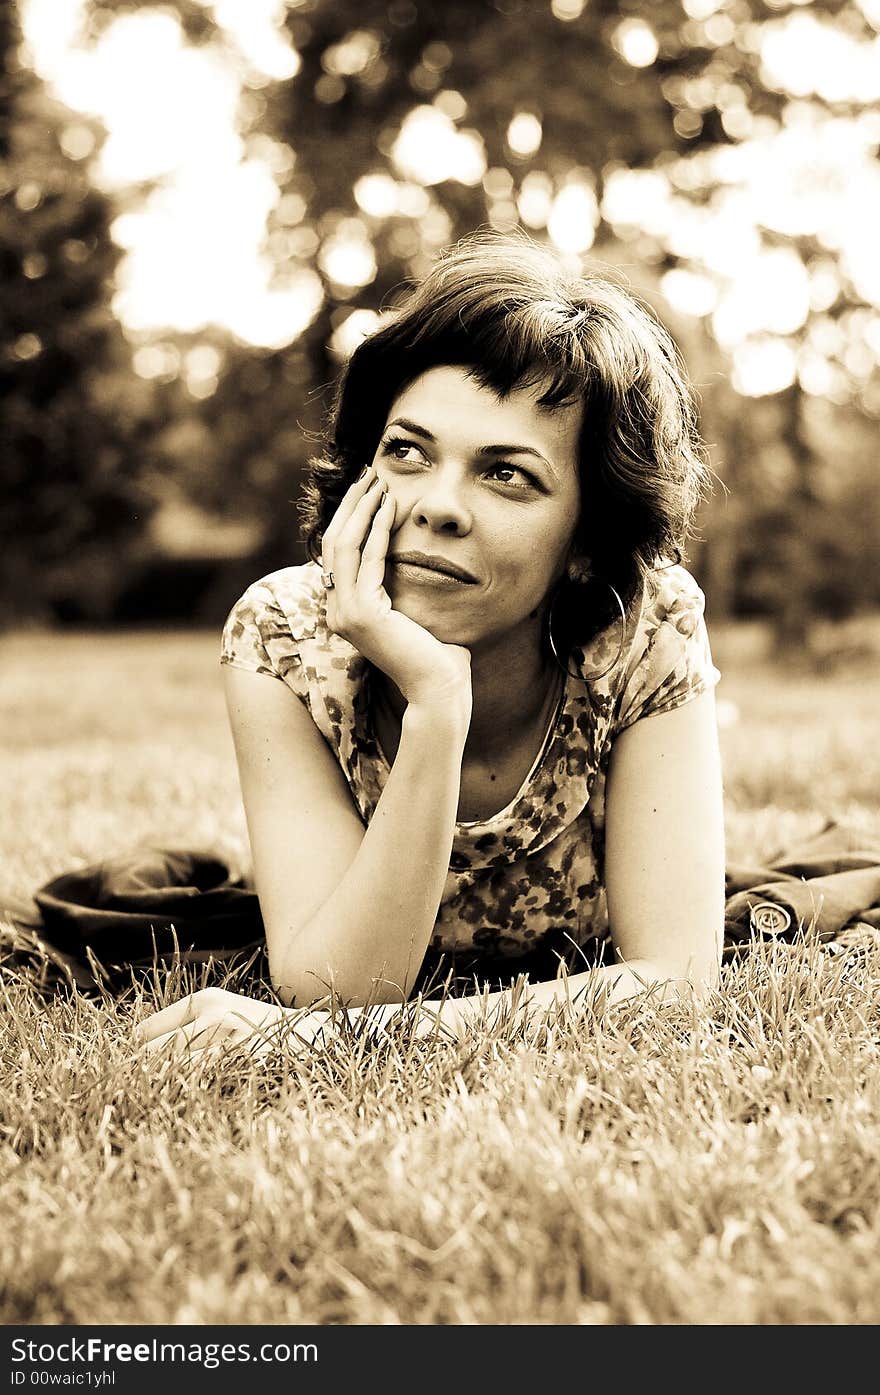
(355, 550)
(214, 1019)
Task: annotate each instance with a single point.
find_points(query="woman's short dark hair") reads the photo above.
(514, 316)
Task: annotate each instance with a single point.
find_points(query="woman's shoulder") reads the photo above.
(276, 618)
(670, 660)
(288, 602)
(279, 627)
(672, 595)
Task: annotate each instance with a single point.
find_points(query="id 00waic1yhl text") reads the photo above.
(39, 1377)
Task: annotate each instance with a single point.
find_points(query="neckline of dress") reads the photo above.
(546, 742)
(468, 825)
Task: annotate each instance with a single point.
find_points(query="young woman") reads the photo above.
(478, 729)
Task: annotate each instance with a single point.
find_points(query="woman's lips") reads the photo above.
(431, 571)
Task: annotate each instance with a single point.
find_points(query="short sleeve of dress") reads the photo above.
(671, 661)
(257, 637)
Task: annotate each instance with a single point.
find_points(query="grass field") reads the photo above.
(649, 1167)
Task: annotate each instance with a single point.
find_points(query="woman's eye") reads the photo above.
(402, 450)
(511, 474)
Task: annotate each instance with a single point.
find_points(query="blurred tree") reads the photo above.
(596, 89)
(75, 420)
(626, 132)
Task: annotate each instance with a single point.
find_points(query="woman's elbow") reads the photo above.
(304, 987)
(705, 981)
(297, 990)
(297, 983)
(697, 959)
(701, 975)
(696, 978)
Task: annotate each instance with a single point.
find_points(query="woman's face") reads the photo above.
(487, 486)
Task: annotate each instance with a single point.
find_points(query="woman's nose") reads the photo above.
(440, 503)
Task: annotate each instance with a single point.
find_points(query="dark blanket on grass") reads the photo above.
(153, 906)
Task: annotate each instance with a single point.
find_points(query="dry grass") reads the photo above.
(651, 1167)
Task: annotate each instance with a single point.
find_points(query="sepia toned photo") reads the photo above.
(439, 671)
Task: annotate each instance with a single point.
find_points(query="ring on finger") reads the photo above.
(327, 579)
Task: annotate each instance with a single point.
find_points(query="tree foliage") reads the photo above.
(75, 421)
(798, 464)
(366, 65)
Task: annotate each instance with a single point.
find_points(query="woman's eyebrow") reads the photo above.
(515, 450)
(411, 426)
(482, 450)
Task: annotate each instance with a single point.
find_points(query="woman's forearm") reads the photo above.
(368, 939)
(529, 1003)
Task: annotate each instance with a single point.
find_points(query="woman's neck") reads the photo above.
(513, 684)
(514, 687)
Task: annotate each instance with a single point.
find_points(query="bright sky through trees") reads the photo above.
(195, 244)
(197, 255)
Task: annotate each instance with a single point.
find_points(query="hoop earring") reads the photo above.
(588, 677)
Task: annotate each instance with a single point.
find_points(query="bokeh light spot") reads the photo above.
(524, 134)
(636, 43)
(689, 292)
(568, 10)
(27, 347)
(762, 367)
(352, 331)
(77, 141)
(573, 218)
(430, 149)
(347, 258)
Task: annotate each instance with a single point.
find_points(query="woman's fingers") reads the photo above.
(347, 505)
(216, 1032)
(259, 1032)
(160, 1024)
(194, 1036)
(205, 1007)
(375, 551)
(346, 548)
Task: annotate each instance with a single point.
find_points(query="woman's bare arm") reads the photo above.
(347, 909)
(344, 907)
(664, 866)
(664, 871)
(664, 842)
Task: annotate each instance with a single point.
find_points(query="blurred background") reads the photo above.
(204, 204)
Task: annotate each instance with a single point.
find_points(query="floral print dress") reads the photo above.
(531, 877)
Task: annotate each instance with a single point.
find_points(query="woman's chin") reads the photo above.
(431, 618)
